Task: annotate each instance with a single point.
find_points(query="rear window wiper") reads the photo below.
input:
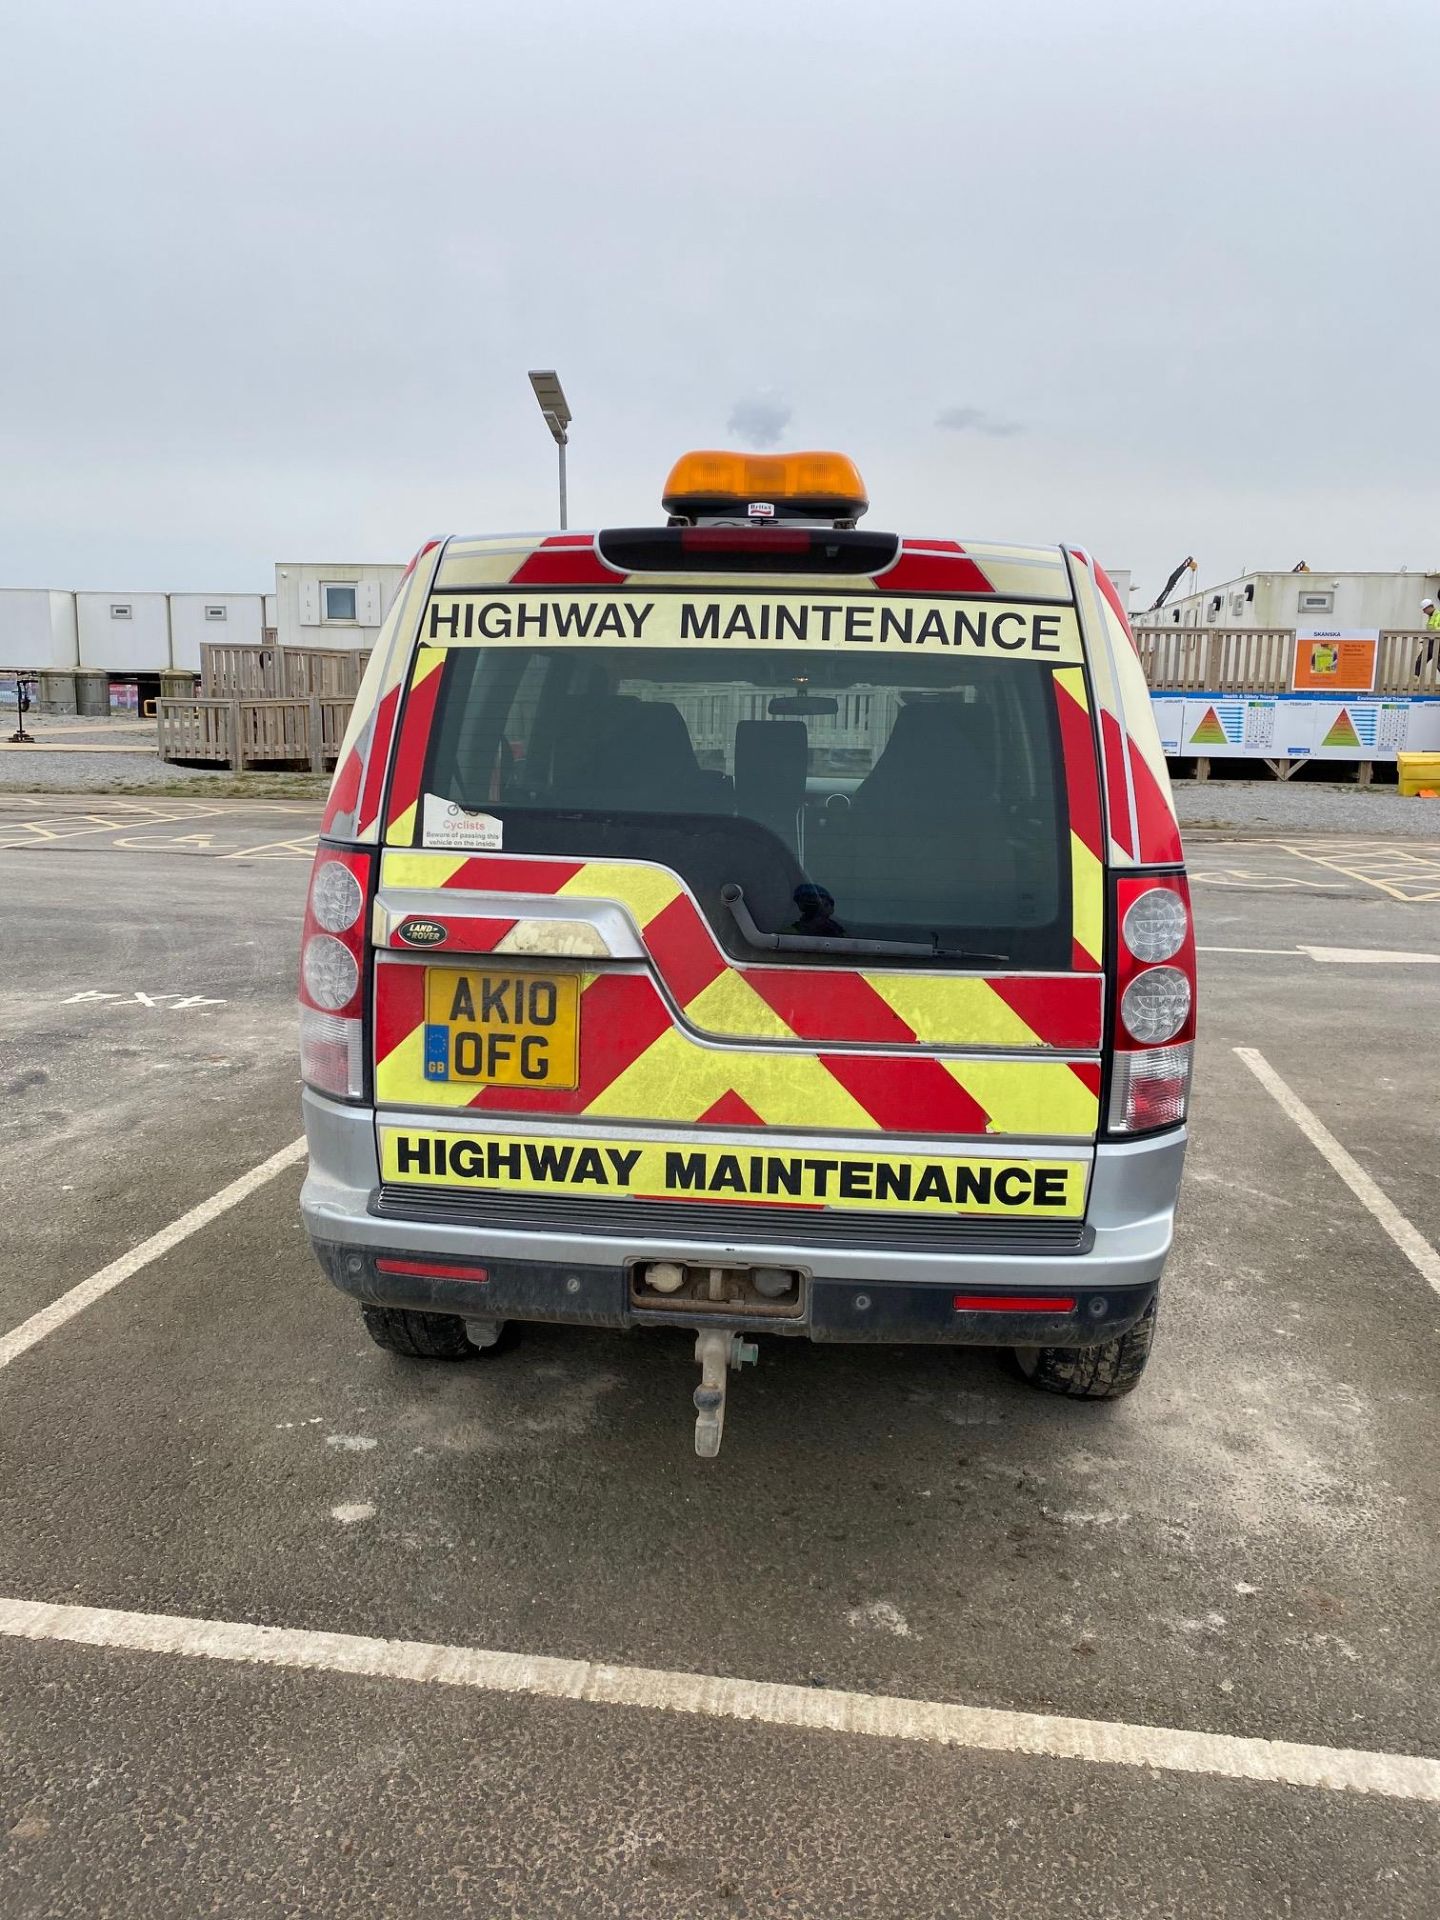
(734, 898)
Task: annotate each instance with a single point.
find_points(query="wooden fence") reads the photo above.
(279, 673)
(1260, 660)
(249, 733)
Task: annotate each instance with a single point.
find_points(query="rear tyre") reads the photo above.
(419, 1336)
(1104, 1372)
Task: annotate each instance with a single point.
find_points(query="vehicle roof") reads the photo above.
(923, 564)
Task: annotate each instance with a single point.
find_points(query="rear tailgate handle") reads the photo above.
(456, 922)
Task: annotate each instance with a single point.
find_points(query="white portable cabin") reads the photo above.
(1351, 600)
(332, 604)
(236, 619)
(123, 633)
(37, 630)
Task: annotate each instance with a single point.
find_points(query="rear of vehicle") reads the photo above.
(752, 925)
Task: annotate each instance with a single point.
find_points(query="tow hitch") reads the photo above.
(717, 1353)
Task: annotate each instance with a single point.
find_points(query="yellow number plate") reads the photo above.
(494, 1028)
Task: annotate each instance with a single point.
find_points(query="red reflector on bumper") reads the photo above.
(1014, 1303)
(432, 1270)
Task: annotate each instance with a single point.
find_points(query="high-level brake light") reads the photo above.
(819, 486)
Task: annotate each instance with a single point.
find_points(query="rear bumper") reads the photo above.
(855, 1293)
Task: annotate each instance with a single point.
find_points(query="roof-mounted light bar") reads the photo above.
(763, 486)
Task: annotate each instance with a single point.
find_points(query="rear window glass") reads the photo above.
(913, 801)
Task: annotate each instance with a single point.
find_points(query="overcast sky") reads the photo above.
(1161, 279)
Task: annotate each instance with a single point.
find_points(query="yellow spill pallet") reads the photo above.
(1419, 772)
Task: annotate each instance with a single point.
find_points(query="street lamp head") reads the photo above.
(553, 404)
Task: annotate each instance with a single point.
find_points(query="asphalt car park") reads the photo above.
(292, 1626)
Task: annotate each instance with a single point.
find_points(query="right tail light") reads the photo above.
(1153, 1019)
(332, 974)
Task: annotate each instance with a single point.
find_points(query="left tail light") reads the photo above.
(1153, 1016)
(332, 974)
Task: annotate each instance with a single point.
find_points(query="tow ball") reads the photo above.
(717, 1353)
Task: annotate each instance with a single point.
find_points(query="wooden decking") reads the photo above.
(267, 706)
(254, 733)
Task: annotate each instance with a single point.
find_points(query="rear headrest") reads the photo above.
(938, 751)
(771, 754)
(616, 751)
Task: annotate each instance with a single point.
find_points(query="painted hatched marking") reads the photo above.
(903, 1094)
(687, 965)
(495, 873)
(929, 1008)
(645, 891)
(344, 792)
(1087, 886)
(566, 561)
(675, 1079)
(621, 1016)
(731, 1005)
(1158, 839)
(1046, 1096)
(820, 1004)
(419, 711)
(376, 759)
(1087, 871)
(831, 1006)
(1117, 792)
(424, 870)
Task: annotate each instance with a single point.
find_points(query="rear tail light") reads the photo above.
(1155, 924)
(336, 896)
(1155, 1005)
(332, 1053)
(1153, 1019)
(332, 974)
(1149, 1089)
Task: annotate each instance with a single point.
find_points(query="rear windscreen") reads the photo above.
(830, 800)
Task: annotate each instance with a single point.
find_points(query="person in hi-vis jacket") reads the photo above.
(1430, 616)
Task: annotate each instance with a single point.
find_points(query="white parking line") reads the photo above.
(1411, 1242)
(935, 1723)
(1341, 956)
(1371, 956)
(87, 1292)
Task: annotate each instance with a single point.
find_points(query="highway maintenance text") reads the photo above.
(647, 1170)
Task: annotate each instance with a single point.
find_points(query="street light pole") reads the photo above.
(555, 410)
(561, 439)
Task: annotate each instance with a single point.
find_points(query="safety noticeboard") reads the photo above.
(1294, 726)
(1335, 660)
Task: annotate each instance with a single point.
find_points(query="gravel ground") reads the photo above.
(1305, 806)
(33, 770)
(41, 772)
